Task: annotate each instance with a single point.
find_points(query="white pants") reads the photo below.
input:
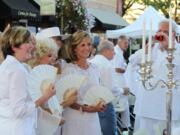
(136, 124)
(125, 115)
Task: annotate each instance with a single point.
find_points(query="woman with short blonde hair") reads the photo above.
(46, 52)
(17, 110)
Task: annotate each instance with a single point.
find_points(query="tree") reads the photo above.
(73, 15)
(127, 4)
(159, 5)
(163, 6)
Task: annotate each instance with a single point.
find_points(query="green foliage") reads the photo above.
(163, 6)
(159, 5)
(71, 14)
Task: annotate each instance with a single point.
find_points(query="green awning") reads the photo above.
(108, 17)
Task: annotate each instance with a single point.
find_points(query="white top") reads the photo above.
(119, 62)
(78, 123)
(17, 110)
(107, 74)
(152, 104)
(46, 123)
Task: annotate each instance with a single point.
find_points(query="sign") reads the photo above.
(26, 14)
(48, 7)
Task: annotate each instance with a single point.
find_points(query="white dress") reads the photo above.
(17, 110)
(76, 122)
(46, 123)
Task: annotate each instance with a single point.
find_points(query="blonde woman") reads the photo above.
(46, 53)
(82, 119)
(17, 110)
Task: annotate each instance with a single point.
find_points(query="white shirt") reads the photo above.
(119, 62)
(17, 110)
(106, 74)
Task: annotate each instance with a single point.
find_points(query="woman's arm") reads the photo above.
(99, 107)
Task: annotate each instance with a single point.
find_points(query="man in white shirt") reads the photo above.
(119, 64)
(151, 105)
(102, 60)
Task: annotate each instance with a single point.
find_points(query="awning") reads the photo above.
(18, 8)
(108, 17)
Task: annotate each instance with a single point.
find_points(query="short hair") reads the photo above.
(105, 44)
(122, 37)
(72, 42)
(43, 47)
(174, 26)
(13, 37)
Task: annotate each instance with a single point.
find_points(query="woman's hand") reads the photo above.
(99, 107)
(47, 93)
(62, 121)
(70, 98)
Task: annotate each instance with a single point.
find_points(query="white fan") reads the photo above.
(97, 93)
(39, 80)
(67, 82)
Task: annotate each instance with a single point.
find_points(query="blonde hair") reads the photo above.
(43, 47)
(13, 37)
(73, 41)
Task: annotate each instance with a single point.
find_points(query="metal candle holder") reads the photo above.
(146, 74)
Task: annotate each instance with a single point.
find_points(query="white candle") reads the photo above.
(170, 29)
(144, 42)
(150, 42)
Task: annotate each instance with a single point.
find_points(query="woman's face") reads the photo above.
(24, 52)
(83, 50)
(49, 58)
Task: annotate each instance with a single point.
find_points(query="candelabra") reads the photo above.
(146, 75)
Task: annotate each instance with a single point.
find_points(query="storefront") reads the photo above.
(19, 12)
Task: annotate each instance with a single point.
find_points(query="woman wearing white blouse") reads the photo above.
(17, 110)
(82, 119)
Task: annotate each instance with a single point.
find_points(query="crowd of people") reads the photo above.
(22, 51)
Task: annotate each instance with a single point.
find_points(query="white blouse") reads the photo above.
(17, 110)
(78, 123)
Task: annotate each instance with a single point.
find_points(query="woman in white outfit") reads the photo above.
(17, 110)
(82, 119)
